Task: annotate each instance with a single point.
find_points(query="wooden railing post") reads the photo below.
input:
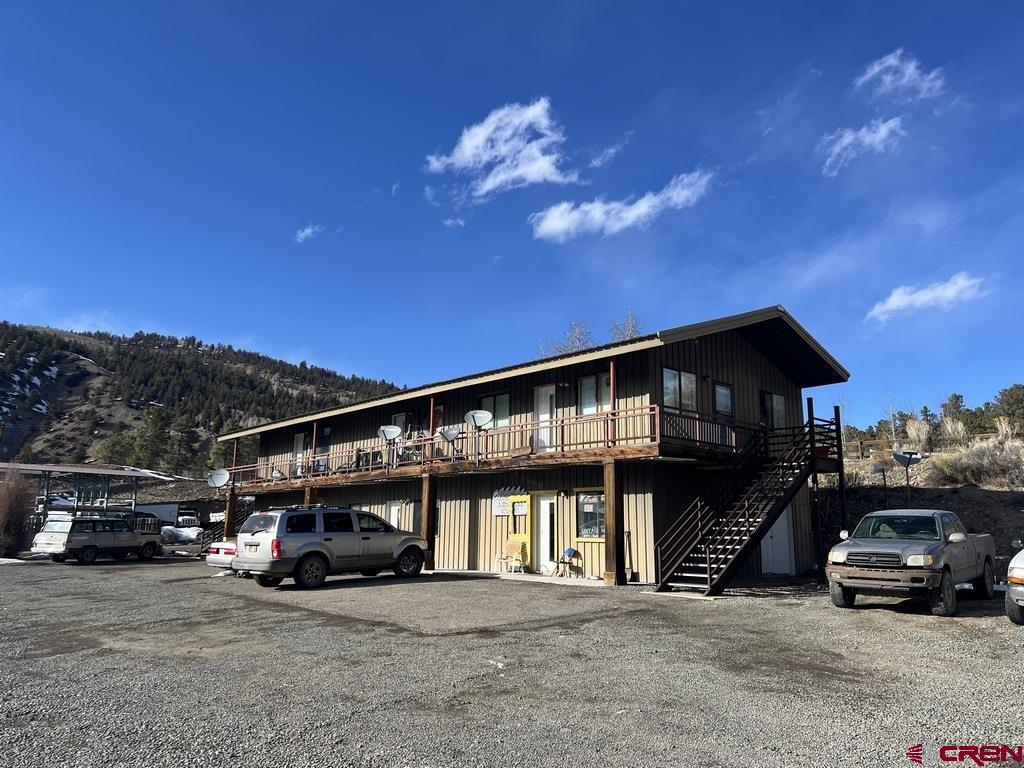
(819, 537)
(839, 467)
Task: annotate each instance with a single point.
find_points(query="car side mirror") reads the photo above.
(844, 535)
(957, 538)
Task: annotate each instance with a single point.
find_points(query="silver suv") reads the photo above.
(309, 543)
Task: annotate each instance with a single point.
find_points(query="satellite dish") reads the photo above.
(449, 433)
(479, 419)
(390, 432)
(907, 458)
(218, 478)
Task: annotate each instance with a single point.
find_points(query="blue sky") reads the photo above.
(422, 191)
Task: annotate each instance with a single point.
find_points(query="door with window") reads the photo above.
(544, 437)
(124, 537)
(544, 534)
(773, 410)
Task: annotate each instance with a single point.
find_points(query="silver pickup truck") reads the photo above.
(921, 552)
(86, 538)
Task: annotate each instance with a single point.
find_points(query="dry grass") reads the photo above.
(918, 434)
(954, 433)
(997, 462)
(16, 501)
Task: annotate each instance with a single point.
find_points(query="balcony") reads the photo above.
(618, 433)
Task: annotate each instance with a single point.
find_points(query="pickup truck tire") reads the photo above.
(310, 572)
(147, 551)
(842, 597)
(87, 556)
(267, 581)
(1014, 612)
(58, 558)
(985, 585)
(942, 599)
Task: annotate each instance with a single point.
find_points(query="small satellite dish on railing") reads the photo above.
(389, 432)
(218, 478)
(449, 433)
(479, 419)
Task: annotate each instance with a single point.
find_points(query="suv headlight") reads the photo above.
(1015, 576)
(920, 561)
(837, 556)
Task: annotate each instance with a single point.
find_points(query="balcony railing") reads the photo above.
(588, 432)
(591, 432)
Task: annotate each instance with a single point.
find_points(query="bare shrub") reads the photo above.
(919, 434)
(992, 462)
(1004, 429)
(954, 433)
(15, 508)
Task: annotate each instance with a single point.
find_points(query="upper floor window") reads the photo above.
(679, 390)
(498, 405)
(595, 393)
(723, 400)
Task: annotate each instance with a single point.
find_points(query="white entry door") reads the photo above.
(299, 451)
(543, 530)
(544, 416)
(395, 513)
(777, 547)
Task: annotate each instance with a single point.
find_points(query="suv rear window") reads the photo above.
(301, 523)
(259, 523)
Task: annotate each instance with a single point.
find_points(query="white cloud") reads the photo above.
(394, 187)
(846, 144)
(454, 222)
(308, 232)
(430, 195)
(514, 146)
(900, 77)
(567, 220)
(908, 298)
(608, 154)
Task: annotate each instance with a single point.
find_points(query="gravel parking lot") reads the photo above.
(159, 664)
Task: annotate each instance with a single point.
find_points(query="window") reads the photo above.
(338, 522)
(304, 522)
(81, 526)
(679, 390)
(595, 393)
(257, 523)
(57, 526)
(723, 399)
(498, 405)
(119, 525)
(773, 410)
(590, 515)
(372, 524)
(102, 526)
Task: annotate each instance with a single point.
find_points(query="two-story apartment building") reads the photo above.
(673, 458)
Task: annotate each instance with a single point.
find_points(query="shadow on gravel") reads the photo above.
(967, 607)
(356, 582)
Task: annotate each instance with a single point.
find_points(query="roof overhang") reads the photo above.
(772, 331)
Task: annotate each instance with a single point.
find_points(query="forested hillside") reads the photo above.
(147, 400)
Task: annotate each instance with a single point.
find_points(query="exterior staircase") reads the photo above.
(215, 531)
(723, 526)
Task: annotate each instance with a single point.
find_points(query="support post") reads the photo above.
(234, 453)
(310, 495)
(840, 469)
(816, 530)
(428, 517)
(612, 403)
(614, 540)
(229, 513)
(312, 452)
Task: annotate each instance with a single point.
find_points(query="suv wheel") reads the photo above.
(1014, 612)
(985, 585)
(842, 597)
(147, 551)
(267, 581)
(942, 599)
(409, 563)
(310, 572)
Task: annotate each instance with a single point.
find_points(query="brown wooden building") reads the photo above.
(679, 457)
